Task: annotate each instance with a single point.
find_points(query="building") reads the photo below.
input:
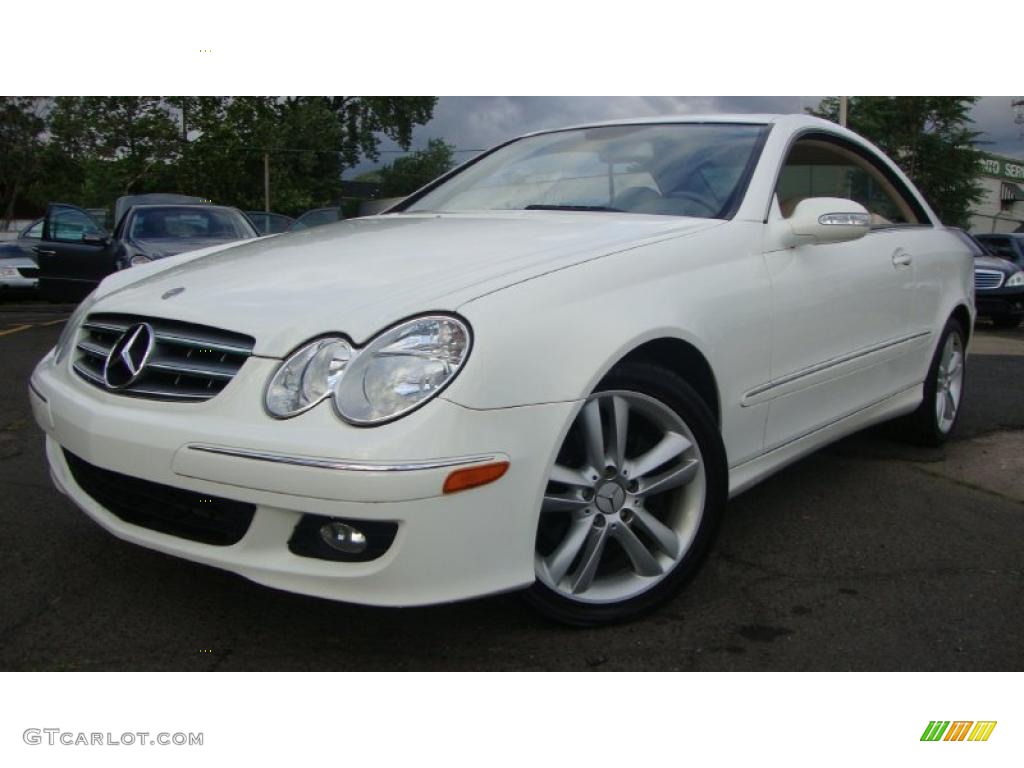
(1002, 208)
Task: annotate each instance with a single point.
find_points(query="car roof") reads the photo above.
(792, 120)
(198, 206)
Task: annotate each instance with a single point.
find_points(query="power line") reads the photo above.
(333, 151)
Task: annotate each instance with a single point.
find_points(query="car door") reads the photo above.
(74, 254)
(30, 237)
(842, 313)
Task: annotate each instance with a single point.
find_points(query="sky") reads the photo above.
(478, 122)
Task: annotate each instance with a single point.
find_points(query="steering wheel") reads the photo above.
(681, 194)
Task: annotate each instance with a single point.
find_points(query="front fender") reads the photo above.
(553, 338)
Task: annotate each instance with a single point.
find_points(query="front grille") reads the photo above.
(987, 279)
(189, 362)
(186, 514)
(28, 271)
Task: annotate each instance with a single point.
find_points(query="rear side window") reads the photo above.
(817, 167)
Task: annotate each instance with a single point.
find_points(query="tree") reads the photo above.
(126, 144)
(21, 131)
(91, 150)
(407, 174)
(309, 141)
(365, 118)
(929, 137)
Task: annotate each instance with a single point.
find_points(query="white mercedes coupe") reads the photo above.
(548, 370)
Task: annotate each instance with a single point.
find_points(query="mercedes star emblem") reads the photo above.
(128, 357)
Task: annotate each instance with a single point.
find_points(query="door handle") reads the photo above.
(902, 259)
(44, 251)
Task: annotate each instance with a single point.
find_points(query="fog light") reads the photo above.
(343, 537)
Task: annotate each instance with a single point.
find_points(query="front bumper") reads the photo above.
(1000, 302)
(448, 547)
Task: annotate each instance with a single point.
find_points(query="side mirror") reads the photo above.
(818, 220)
(94, 239)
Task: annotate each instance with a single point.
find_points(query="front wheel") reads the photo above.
(632, 501)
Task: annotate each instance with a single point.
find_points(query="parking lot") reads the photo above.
(870, 555)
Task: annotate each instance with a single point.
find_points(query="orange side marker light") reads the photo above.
(473, 477)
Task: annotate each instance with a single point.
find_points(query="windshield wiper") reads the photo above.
(572, 208)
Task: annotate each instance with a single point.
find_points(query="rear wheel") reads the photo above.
(632, 501)
(935, 418)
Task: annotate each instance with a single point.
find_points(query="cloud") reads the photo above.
(473, 123)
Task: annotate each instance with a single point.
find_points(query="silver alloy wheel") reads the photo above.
(949, 383)
(641, 486)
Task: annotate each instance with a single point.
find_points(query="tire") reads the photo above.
(616, 540)
(1006, 321)
(924, 426)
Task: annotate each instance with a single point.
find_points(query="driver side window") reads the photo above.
(71, 225)
(818, 168)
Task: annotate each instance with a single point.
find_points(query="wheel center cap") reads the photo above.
(610, 497)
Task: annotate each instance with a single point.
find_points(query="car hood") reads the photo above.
(11, 250)
(994, 262)
(159, 248)
(361, 275)
(16, 260)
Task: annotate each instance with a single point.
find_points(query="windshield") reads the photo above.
(686, 169)
(186, 223)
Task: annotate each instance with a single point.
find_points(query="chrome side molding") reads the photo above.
(344, 465)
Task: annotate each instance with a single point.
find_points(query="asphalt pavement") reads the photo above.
(868, 555)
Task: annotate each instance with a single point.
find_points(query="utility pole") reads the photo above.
(842, 110)
(266, 181)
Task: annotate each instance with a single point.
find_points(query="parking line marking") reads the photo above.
(26, 326)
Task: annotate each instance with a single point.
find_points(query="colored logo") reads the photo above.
(958, 730)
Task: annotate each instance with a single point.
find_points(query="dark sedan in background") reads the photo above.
(1006, 246)
(998, 282)
(999, 290)
(76, 252)
(316, 218)
(268, 223)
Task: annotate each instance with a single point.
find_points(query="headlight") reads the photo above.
(9, 272)
(398, 371)
(1016, 279)
(307, 377)
(401, 369)
(67, 336)
(138, 259)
